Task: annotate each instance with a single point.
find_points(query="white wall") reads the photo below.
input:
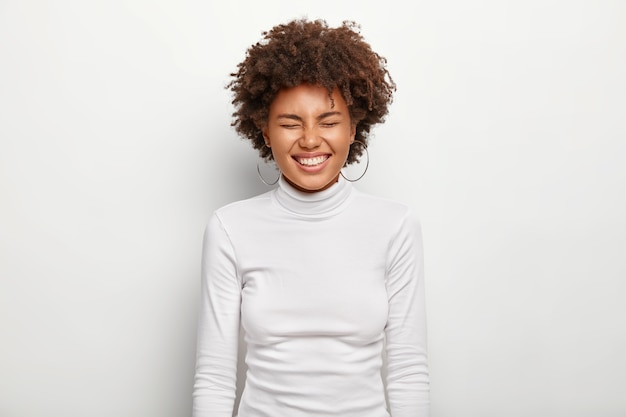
(507, 135)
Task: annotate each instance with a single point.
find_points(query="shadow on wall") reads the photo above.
(234, 175)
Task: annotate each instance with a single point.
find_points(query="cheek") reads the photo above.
(280, 150)
(280, 147)
(282, 138)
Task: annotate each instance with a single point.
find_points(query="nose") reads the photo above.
(310, 139)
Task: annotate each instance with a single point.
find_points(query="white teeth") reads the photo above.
(312, 161)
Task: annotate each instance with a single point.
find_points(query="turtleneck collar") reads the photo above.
(318, 205)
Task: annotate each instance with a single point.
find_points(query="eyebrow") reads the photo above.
(298, 118)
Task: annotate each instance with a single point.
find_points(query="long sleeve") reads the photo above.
(218, 326)
(407, 366)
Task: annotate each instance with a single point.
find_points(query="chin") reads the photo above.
(313, 186)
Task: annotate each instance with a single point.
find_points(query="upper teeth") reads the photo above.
(312, 161)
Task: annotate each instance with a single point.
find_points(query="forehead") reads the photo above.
(307, 98)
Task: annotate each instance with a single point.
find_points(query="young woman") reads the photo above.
(324, 279)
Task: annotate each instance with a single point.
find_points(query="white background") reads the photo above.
(507, 135)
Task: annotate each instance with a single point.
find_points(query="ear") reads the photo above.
(352, 133)
(266, 138)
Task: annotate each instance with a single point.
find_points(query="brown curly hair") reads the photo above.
(304, 51)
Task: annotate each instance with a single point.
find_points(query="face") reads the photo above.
(309, 136)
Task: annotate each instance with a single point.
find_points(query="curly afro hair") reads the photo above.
(304, 51)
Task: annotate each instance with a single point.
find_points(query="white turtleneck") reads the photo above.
(321, 283)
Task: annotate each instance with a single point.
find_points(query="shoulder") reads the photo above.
(236, 215)
(242, 209)
(385, 210)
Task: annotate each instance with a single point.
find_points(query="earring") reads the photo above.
(258, 171)
(367, 162)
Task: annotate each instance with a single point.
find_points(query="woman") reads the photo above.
(323, 278)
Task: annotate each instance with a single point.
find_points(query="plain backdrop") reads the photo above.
(507, 135)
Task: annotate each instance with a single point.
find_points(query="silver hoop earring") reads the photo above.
(367, 162)
(258, 171)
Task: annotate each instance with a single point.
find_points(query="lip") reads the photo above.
(311, 168)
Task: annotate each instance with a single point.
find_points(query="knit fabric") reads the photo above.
(324, 284)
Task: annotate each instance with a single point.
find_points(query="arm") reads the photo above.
(407, 366)
(218, 326)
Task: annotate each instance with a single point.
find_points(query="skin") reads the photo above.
(309, 136)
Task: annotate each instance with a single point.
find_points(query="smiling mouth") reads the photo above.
(311, 162)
